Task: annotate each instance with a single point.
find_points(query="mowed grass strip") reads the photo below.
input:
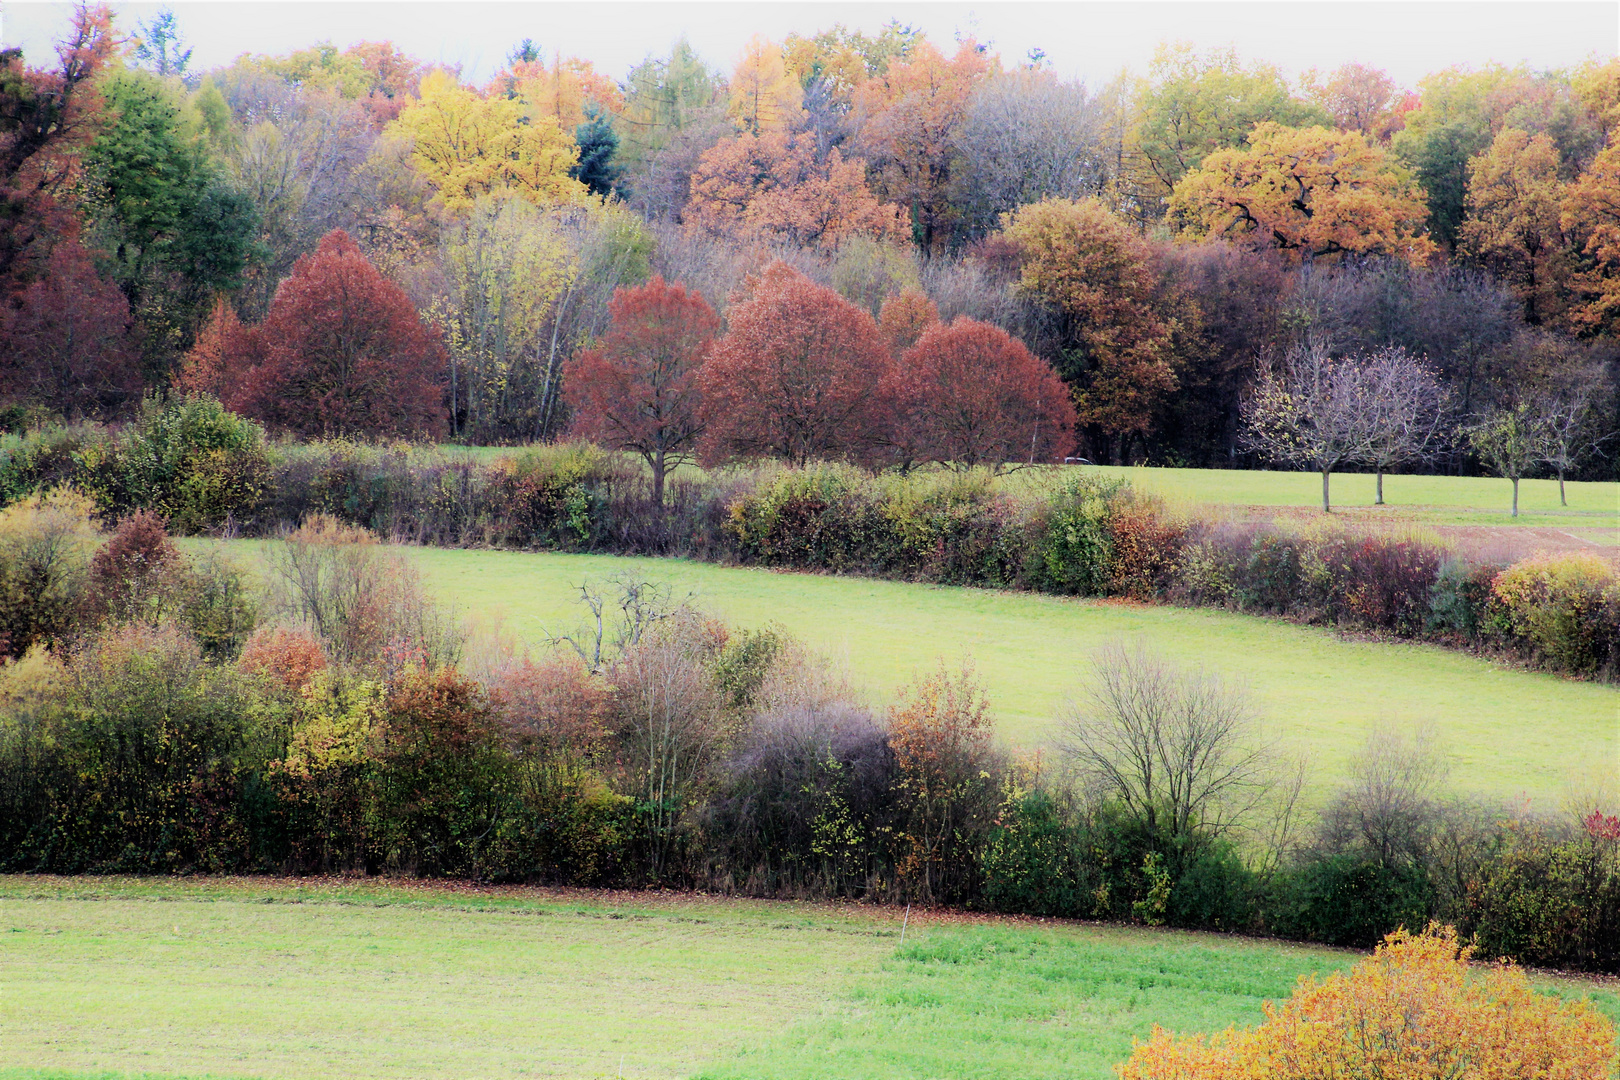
(1472, 500)
(276, 979)
(1510, 732)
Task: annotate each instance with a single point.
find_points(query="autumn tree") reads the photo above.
(1308, 192)
(505, 268)
(1097, 272)
(764, 95)
(1193, 104)
(468, 146)
(1591, 217)
(773, 186)
(1355, 97)
(663, 97)
(904, 317)
(48, 117)
(970, 394)
(1312, 409)
(638, 389)
(564, 91)
(1416, 1008)
(797, 376)
(66, 340)
(1513, 204)
(342, 352)
(909, 116)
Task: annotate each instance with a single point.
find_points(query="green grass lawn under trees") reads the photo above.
(276, 979)
(1508, 731)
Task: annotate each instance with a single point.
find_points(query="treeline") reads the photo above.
(203, 469)
(172, 716)
(1129, 236)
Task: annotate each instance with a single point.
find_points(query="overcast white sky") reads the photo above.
(1091, 40)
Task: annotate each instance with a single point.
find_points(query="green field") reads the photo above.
(1433, 499)
(1510, 732)
(277, 979)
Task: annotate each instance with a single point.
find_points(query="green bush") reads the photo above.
(1076, 545)
(1551, 899)
(1347, 899)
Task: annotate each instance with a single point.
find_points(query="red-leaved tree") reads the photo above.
(341, 352)
(66, 340)
(798, 375)
(639, 390)
(971, 394)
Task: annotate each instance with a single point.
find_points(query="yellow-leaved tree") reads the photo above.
(1417, 1009)
(765, 96)
(1308, 192)
(1513, 203)
(468, 146)
(1591, 217)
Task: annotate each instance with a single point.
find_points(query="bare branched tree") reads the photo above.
(668, 716)
(1311, 409)
(1408, 410)
(623, 610)
(1573, 428)
(1391, 807)
(1180, 749)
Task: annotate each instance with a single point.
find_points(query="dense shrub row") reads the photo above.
(204, 469)
(163, 716)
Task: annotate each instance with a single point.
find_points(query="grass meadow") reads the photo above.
(303, 979)
(1510, 732)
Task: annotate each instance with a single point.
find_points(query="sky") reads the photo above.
(1093, 41)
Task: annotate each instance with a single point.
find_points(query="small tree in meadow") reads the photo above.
(1511, 441)
(638, 390)
(1311, 410)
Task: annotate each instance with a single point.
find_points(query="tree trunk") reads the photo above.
(1326, 509)
(1515, 496)
(1380, 500)
(658, 479)
(1561, 500)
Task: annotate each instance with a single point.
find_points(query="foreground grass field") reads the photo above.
(278, 979)
(1510, 732)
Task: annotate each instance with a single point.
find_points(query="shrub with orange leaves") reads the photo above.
(284, 655)
(1414, 1010)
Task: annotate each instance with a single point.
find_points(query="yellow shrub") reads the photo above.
(1415, 1010)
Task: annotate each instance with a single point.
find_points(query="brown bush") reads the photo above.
(285, 655)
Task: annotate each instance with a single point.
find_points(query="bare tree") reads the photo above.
(668, 716)
(622, 612)
(1180, 749)
(1391, 806)
(1407, 409)
(1311, 409)
(1027, 136)
(1573, 429)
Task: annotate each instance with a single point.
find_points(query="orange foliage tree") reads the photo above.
(638, 389)
(765, 96)
(1591, 215)
(1513, 201)
(971, 394)
(1099, 273)
(1415, 1010)
(941, 731)
(798, 375)
(773, 186)
(1308, 192)
(904, 317)
(560, 91)
(341, 352)
(909, 115)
